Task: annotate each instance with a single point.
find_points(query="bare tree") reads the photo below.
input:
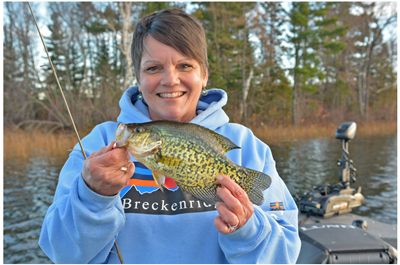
(128, 15)
(370, 41)
(19, 65)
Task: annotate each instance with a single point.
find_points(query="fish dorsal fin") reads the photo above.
(196, 134)
(225, 142)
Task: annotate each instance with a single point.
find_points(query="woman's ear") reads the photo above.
(205, 80)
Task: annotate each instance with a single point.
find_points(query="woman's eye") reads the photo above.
(185, 66)
(151, 69)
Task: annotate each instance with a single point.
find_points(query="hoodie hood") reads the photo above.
(209, 109)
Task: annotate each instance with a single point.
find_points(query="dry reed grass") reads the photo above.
(22, 144)
(275, 135)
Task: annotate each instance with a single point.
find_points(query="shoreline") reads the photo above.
(22, 144)
(275, 135)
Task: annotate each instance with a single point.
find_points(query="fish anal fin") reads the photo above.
(208, 194)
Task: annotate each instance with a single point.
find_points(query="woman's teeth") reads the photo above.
(171, 95)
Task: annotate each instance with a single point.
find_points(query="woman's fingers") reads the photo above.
(233, 190)
(108, 170)
(236, 209)
(227, 221)
(109, 157)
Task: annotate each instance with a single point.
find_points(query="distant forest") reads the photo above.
(281, 63)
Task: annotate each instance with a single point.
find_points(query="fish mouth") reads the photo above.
(171, 95)
(121, 135)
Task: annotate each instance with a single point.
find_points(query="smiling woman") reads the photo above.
(170, 59)
(170, 82)
(111, 197)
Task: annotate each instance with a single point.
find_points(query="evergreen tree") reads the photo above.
(230, 53)
(335, 93)
(311, 32)
(272, 94)
(57, 48)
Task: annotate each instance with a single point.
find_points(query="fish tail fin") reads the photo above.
(254, 184)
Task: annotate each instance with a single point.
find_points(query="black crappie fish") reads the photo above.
(191, 155)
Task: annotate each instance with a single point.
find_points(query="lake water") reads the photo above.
(29, 185)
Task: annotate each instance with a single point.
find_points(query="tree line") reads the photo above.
(281, 63)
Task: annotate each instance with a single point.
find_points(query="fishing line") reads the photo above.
(69, 112)
(58, 82)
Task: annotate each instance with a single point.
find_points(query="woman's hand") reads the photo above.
(236, 208)
(102, 170)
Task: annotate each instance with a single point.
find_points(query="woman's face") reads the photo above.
(170, 82)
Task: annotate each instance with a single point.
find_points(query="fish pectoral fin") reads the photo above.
(159, 178)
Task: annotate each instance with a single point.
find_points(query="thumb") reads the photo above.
(103, 150)
(110, 146)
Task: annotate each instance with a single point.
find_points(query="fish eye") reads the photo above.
(138, 129)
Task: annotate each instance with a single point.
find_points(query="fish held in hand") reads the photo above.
(191, 155)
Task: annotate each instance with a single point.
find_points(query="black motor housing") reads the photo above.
(340, 243)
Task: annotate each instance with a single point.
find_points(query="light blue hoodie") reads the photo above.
(171, 227)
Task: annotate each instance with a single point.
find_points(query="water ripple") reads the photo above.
(29, 187)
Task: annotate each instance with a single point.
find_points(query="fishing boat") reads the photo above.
(329, 232)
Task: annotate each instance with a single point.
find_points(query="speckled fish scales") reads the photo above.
(191, 155)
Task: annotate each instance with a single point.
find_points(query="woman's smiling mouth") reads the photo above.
(171, 95)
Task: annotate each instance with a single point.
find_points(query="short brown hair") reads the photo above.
(175, 28)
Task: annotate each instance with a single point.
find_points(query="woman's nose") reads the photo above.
(170, 78)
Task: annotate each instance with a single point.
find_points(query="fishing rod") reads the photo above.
(69, 112)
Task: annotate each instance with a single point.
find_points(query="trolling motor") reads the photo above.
(326, 200)
(346, 132)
